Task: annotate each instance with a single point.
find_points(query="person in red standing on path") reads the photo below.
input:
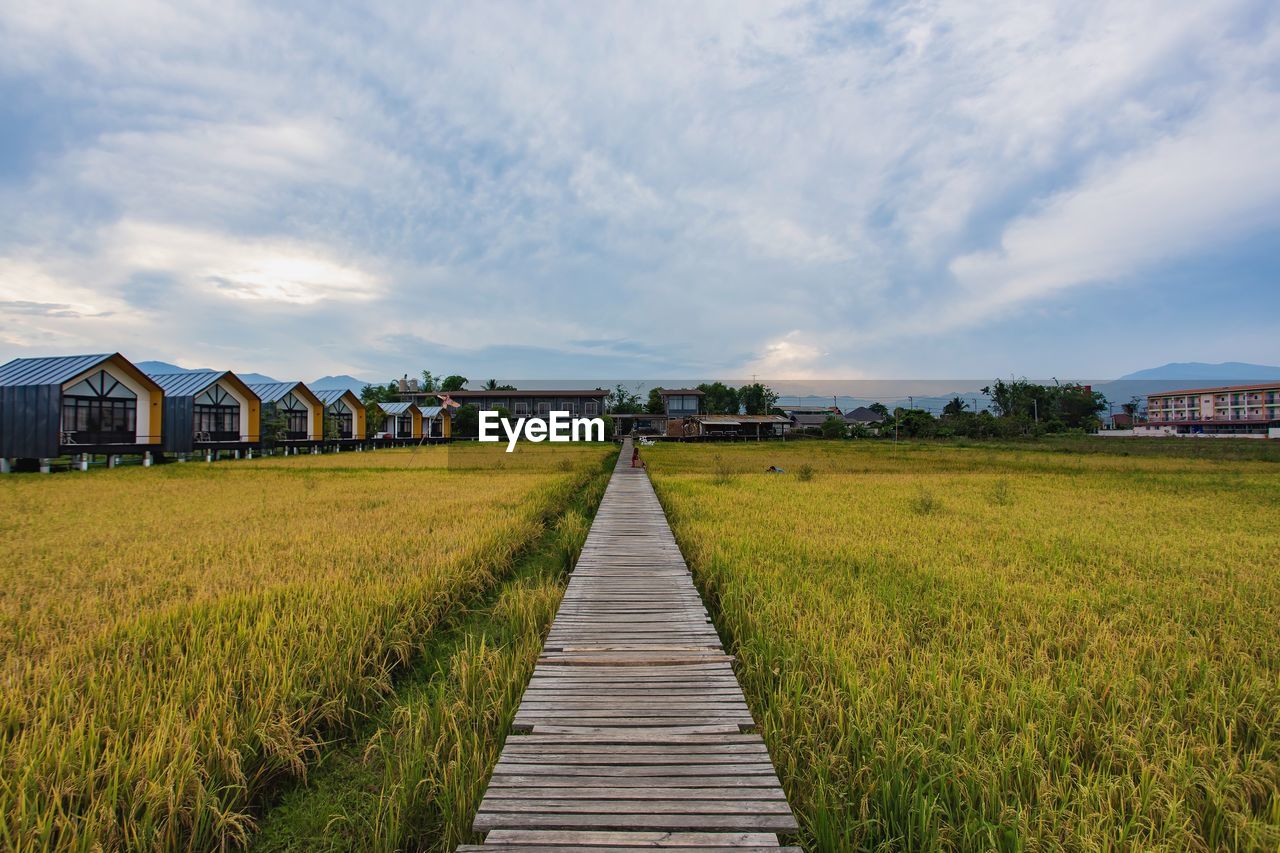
(635, 457)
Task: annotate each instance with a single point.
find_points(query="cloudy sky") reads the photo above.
(649, 190)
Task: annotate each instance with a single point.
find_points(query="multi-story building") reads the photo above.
(1235, 410)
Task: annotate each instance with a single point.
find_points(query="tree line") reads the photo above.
(1018, 407)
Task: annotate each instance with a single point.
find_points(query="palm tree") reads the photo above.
(491, 385)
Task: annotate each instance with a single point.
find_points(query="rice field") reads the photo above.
(999, 647)
(179, 643)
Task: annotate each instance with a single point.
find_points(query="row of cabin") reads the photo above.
(104, 404)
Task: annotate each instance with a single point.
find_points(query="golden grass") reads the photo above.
(178, 640)
(984, 648)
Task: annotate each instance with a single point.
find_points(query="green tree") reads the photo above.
(833, 427)
(621, 401)
(492, 385)
(466, 421)
(915, 423)
(371, 396)
(757, 399)
(655, 405)
(272, 424)
(330, 426)
(453, 382)
(719, 399)
(880, 409)
(1079, 406)
(428, 381)
(954, 406)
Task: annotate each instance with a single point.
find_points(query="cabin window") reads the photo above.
(296, 415)
(342, 416)
(521, 408)
(216, 415)
(590, 407)
(100, 410)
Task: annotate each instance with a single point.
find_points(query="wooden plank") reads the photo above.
(636, 720)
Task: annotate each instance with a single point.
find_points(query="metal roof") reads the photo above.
(273, 392)
(863, 415)
(186, 384)
(329, 396)
(51, 370)
(430, 411)
(395, 408)
(813, 418)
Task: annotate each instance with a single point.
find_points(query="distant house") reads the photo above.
(404, 420)
(737, 426)
(436, 422)
(343, 407)
(639, 423)
(208, 410)
(1124, 420)
(681, 406)
(78, 404)
(301, 409)
(810, 421)
(810, 410)
(862, 416)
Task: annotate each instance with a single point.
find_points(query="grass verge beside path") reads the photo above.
(414, 780)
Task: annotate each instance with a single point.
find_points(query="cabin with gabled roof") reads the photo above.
(404, 420)
(436, 422)
(208, 410)
(300, 408)
(78, 404)
(343, 407)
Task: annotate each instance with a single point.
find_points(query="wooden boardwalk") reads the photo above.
(633, 732)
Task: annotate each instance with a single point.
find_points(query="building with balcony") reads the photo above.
(78, 404)
(1249, 411)
(300, 411)
(403, 420)
(208, 410)
(344, 410)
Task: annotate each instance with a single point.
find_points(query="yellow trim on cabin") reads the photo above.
(155, 395)
(255, 406)
(358, 423)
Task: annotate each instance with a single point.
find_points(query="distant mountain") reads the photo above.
(1228, 371)
(166, 367)
(342, 381)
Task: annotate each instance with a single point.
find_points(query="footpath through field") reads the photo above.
(633, 732)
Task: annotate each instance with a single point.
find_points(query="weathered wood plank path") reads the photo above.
(633, 732)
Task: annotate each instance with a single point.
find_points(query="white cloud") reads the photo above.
(254, 270)
(1217, 180)
(698, 178)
